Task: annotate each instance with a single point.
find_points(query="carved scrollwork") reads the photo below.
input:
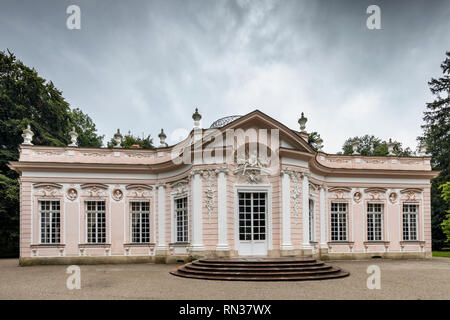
(94, 189)
(252, 167)
(179, 187)
(48, 189)
(340, 192)
(410, 194)
(209, 192)
(139, 190)
(376, 193)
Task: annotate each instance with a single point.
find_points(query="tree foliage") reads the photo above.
(446, 223)
(313, 140)
(370, 145)
(436, 137)
(129, 140)
(26, 98)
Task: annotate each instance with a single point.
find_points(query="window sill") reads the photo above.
(139, 244)
(179, 244)
(47, 245)
(375, 242)
(94, 245)
(412, 242)
(340, 242)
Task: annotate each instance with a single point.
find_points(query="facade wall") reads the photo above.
(73, 219)
(120, 176)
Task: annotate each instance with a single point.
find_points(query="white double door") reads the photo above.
(252, 223)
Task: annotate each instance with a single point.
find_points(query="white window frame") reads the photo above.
(51, 212)
(374, 215)
(175, 220)
(312, 220)
(96, 211)
(140, 212)
(409, 214)
(339, 214)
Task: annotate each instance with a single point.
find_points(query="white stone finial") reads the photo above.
(27, 136)
(197, 117)
(390, 146)
(162, 139)
(302, 123)
(355, 146)
(118, 139)
(73, 138)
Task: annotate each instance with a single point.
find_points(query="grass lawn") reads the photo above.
(445, 254)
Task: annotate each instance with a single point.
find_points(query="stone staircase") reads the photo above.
(259, 269)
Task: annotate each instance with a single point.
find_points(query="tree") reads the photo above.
(129, 140)
(446, 223)
(370, 145)
(26, 98)
(85, 127)
(436, 138)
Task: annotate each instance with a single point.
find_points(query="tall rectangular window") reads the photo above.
(181, 218)
(311, 221)
(339, 221)
(140, 221)
(374, 221)
(96, 221)
(50, 221)
(410, 212)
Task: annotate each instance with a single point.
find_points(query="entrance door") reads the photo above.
(252, 233)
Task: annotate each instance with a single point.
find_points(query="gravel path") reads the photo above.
(400, 279)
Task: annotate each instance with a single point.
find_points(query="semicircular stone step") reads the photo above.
(262, 274)
(251, 268)
(259, 269)
(254, 265)
(259, 260)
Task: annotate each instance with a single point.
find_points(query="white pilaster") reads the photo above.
(222, 210)
(323, 218)
(161, 219)
(197, 224)
(305, 211)
(286, 243)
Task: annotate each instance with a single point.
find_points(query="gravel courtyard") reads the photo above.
(400, 279)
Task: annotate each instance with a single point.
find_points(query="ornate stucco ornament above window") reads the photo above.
(376, 193)
(94, 189)
(252, 167)
(410, 194)
(179, 187)
(48, 189)
(340, 192)
(138, 190)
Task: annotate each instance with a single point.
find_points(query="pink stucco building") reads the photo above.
(247, 186)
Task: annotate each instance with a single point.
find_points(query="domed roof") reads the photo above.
(219, 123)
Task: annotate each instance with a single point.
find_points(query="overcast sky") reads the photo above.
(144, 65)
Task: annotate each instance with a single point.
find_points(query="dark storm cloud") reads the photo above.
(143, 65)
